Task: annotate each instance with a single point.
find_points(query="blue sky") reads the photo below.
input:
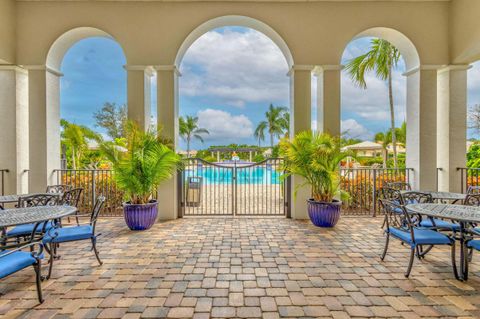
(229, 77)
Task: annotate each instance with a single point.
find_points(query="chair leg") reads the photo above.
(410, 264)
(38, 277)
(94, 247)
(386, 247)
(52, 250)
(454, 262)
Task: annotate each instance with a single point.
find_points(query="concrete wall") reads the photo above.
(7, 31)
(151, 33)
(464, 31)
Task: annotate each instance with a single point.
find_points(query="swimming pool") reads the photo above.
(245, 175)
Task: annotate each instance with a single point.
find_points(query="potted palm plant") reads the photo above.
(316, 157)
(139, 165)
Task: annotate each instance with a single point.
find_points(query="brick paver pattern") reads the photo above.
(247, 268)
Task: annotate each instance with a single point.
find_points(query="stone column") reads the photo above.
(328, 98)
(422, 126)
(139, 94)
(44, 126)
(451, 125)
(167, 112)
(14, 124)
(301, 120)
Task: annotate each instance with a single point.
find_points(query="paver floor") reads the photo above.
(225, 267)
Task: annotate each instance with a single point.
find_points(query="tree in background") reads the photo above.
(274, 124)
(381, 58)
(384, 139)
(75, 138)
(189, 129)
(474, 118)
(112, 118)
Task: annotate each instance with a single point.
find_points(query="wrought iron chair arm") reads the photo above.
(35, 254)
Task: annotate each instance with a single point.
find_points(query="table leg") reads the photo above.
(463, 260)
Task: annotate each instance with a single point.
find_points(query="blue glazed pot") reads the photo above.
(324, 214)
(140, 217)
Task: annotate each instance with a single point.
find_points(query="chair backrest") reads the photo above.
(71, 197)
(416, 198)
(97, 208)
(391, 194)
(38, 200)
(55, 189)
(401, 186)
(473, 190)
(472, 200)
(396, 216)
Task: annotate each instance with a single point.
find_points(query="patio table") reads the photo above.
(9, 199)
(32, 215)
(443, 196)
(463, 215)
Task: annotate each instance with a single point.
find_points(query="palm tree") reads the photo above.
(286, 123)
(384, 139)
(274, 123)
(381, 58)
(76, 138)
(189, 129)
(260, 132)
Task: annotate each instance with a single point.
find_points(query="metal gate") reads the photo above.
(233, 189)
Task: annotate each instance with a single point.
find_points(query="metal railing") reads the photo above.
(363, 185)
(95, 182)
(468, 177)
(233, 189)
(2, 180)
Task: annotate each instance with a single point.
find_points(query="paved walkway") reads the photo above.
(266, 268)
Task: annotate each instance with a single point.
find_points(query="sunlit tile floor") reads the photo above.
(224, 267)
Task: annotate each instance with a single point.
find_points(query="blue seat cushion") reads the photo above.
(439, 223)
(24, 230)
(475, 244)
(65, 234)
(422, 236)
(14, 262)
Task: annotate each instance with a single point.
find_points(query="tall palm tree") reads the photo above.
(260, 132)
(384, 139)
(381, 58)
(76, 138)
(273, 123)
(285, 122)
(189, 129)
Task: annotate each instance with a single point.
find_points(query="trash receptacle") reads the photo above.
(194, 191)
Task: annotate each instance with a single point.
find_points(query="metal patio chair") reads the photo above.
(58, 189)
(404, 227)
(79, 232)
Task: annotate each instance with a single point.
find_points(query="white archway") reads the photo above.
(67, 40)
(234, 20)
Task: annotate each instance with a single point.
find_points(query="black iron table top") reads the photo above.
(5, 199)
(443, 195)
(29, 215)
(460, 213)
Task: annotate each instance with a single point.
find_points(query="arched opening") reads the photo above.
(234, 97)
(92, 100)
(367, 112)
(233, 68)
(44, 136)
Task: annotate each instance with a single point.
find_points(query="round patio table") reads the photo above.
(463, 215)
(444, 196)
(32, 215)
(9, 199)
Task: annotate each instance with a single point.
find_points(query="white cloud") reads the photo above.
(352, 129)
(236, 68)
(224, 126)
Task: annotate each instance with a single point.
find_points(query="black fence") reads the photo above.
(363, 185)
(3, 172)
(468, 177)
(233, 188)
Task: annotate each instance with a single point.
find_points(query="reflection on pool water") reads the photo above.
(245, 175)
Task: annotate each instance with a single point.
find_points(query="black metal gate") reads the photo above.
(233, 189)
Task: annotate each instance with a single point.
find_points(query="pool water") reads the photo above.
(247, 175)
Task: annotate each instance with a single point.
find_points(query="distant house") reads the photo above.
(366, 148)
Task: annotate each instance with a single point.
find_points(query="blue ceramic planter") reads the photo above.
(324, 214)
(140, 217)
